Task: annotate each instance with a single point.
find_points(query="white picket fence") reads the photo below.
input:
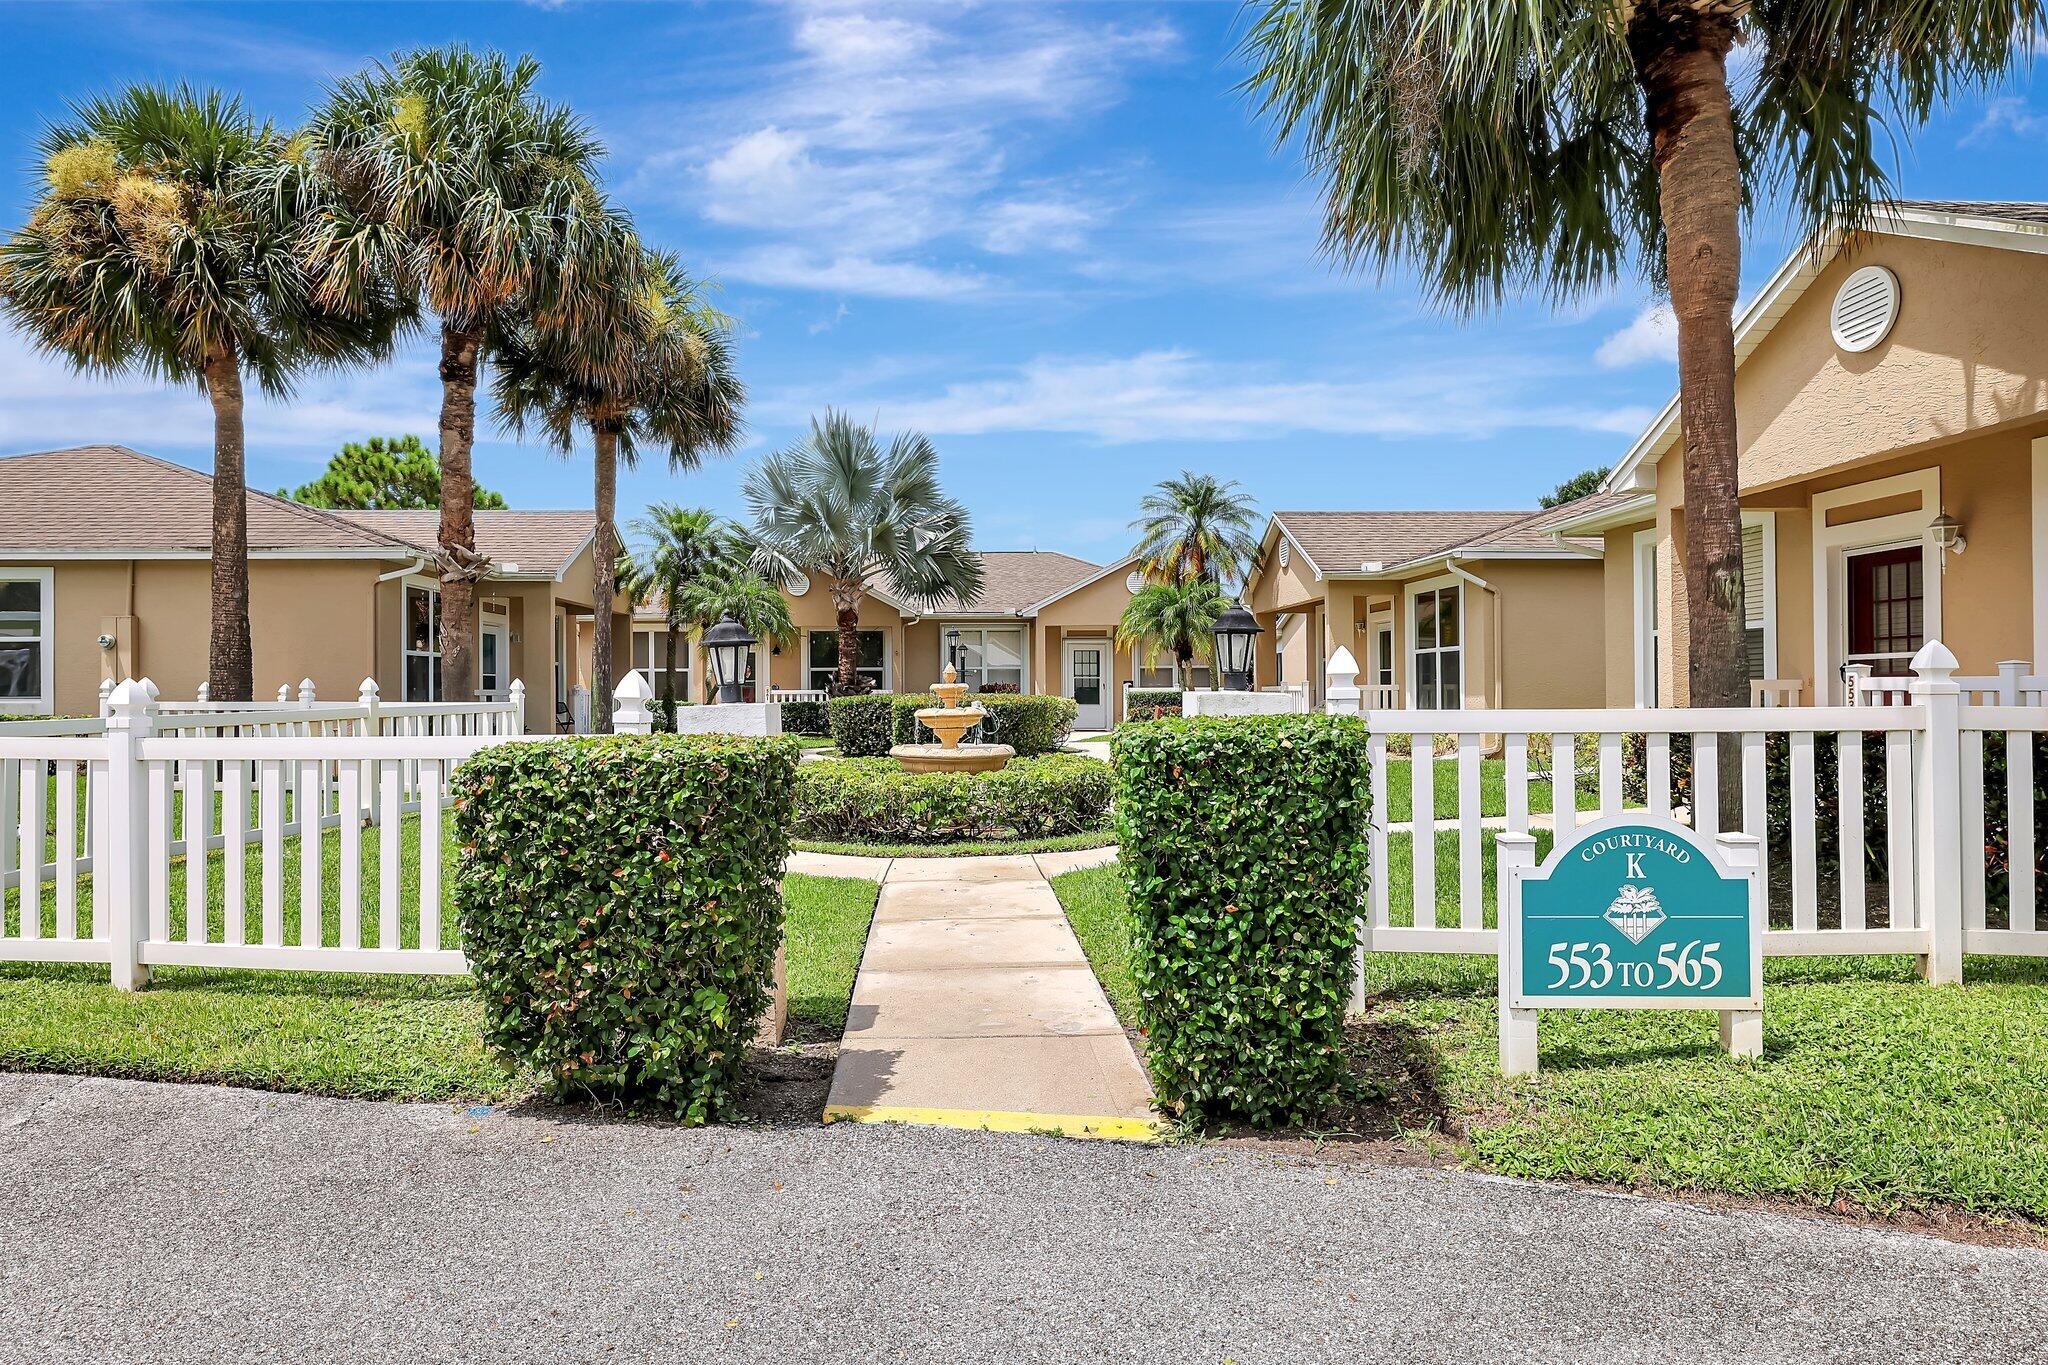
(1881, 823)
(105, 826)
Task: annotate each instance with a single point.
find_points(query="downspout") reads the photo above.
(1500, 661)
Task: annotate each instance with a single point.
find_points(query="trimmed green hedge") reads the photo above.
(861, 726)
(1242, 847)
(1031, 725)
(874, 800)
(621, 904)
(1151, 703)
(805, 718)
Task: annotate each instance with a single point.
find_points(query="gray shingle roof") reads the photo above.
(2008, 210)
(538, 542)
(1339, 542)
(1014, 581)
(100, 498)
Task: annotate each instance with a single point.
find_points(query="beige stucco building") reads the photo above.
(104, 574)
(1044, 623)
(1441, 610)
(1883, 383)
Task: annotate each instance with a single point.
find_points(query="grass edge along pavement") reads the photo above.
(983, 848)
(1877, 1094)
(361, 1036)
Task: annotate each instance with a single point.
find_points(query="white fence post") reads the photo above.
(2011, 676)
(122, 884)
(632, 715)
(307, 696)
(1516, 854)
(106, 692)
(517, 721)
(284, 692)
(1340, 696)
(1938, 798)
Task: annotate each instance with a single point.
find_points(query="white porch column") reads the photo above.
(1938, 818)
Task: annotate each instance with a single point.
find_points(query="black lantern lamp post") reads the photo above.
(728, 643)
(1234, 630)
(953, 648)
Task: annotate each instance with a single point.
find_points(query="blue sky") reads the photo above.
(1052, 238)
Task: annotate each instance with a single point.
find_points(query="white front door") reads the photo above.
(494, 663)
(1087, 677)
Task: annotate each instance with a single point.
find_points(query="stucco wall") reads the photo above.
(1552, 614)
(1965, 355)
(307, 618)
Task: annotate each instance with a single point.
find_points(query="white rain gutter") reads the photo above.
(418, 566)
(1500, 661)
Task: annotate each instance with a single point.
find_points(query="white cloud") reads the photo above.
(1020, 225)
(839, 315)
(795, 267)
(2007, 114)
(1180, 396)
(888, 142)
(45, 405)
(1651, 335)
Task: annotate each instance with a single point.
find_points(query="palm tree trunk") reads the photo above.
(668, 672)
(847, 680)
(230, 669)
(1681, 59)
(604, 566)
(459, 351)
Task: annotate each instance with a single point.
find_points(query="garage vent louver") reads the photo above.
(797, 584)
(1865, 308)
(1284, 556)
(1135, 581)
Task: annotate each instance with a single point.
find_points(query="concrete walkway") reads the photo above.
(975, 1008)
(175, 1223)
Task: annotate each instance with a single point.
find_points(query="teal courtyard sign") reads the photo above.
(1632, 912)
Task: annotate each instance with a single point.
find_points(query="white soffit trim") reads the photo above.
(1789, 283)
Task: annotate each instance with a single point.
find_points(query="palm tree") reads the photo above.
(1502, 145)
(682, 544)
(659, 373)
(1197, 526)
(157, 249)
(734, 588)
(836, 506)
(451, 182)
(1178, 616)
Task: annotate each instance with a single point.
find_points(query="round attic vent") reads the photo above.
(1865, 309)
(1285, 554)
(797, 584)
(1135, 580)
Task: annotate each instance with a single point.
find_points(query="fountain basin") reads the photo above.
(957, 758)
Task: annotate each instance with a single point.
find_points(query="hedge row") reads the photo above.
(1151, 703)
(620, 902)
(865, 727)
(1242, 846)
(874, 800)
(805, 718)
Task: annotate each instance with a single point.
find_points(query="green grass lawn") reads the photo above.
(379, 1037)
(1493, 788)
(1875, 1091)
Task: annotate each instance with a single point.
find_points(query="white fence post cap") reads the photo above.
(131, 697)
(633, 687)
(1934, 660)
(306, 693)
(151, 688)
(284, 691)
(1342, 663)
(368, 690)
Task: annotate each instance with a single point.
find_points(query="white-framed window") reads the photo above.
(561, 662)
(987, 656)
(1760, 593)
(1155, 669)
(27, 661)
(1436, 645)
(422, 642)
(1646, 617)
(821, 659)
(650, 658)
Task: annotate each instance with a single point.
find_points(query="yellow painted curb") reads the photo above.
(1000, 1121)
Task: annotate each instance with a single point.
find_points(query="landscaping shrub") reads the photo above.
(1000, 690)
(621, 905)
(1242, 844)
(1152, 703)
(1031, 725)
(805, 718)
(862, 727)
(874, 800)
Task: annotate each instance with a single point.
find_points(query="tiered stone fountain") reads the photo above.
(949, 721)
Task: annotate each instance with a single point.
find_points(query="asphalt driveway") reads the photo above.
(174, 1223)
